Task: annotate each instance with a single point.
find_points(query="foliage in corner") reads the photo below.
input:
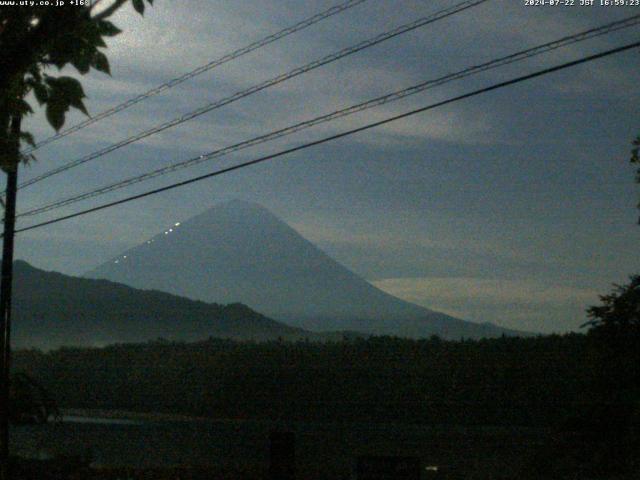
(618, 317)
(36, 39)
(619, 312)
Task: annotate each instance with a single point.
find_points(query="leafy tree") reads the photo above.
(620, 310)
(614, 424)
(615, 325)
(616, 322)
(33, 41)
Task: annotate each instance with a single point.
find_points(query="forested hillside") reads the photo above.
(561, 386)
(515, 381)
(51, 309)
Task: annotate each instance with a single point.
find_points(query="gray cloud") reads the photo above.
(526, 186)
(525, 304)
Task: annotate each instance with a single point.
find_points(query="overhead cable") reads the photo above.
(201, 69)
(353, 131)
(442, 14)
(388, 98)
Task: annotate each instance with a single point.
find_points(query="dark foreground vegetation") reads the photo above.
(509, 381)
(576, 388)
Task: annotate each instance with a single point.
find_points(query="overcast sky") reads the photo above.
(515, 207)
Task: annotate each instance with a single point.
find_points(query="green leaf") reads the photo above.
(58, 62)
(108, 29)
(66, 49)
(91, 34)
(64, 92)
(27, 158)
(79, 104)
(138, 5)
(101, 63)
(49, 80)
(34, 70)
(82, 62)
(70, 88)
(55, 113)
(28, 138)
(23, 107)
(99, 42)
(41, 93)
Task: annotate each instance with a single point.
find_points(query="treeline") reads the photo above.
(507, 381)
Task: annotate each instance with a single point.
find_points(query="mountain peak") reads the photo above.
(238, 251)
(235, 211)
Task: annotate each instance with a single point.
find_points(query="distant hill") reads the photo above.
(51, 309)
(240, 252)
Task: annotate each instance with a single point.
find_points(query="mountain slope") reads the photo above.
(51, 309)
(240, 252)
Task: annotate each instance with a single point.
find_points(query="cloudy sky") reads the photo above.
(515, 207)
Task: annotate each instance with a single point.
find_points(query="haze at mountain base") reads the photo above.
(240, 252)
(52, 310)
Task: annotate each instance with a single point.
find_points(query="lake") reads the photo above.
(238, 444)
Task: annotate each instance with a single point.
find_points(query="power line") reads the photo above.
(432, 106)
(391, 97)
(442, 14)
(591, 33)
(203, 68)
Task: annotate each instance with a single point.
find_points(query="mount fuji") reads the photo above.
(240, 252)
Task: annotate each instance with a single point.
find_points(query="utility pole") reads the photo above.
(5, 292)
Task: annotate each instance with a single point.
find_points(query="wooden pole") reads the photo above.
(6, 280)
